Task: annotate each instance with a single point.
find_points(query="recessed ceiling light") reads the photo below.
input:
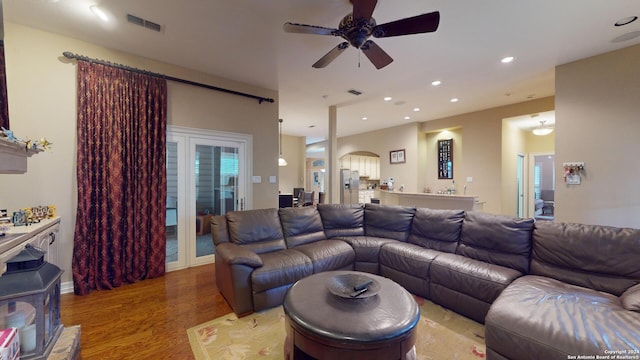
(388, 98)
(626, 21)
(508, 59)
(436, 82)
(454, 100)
(407, 117)
(97, 11)
(416, 109)
(365, 118)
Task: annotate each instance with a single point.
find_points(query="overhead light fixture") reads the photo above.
(453, 100)
(281, 160)
(507, 59)
(436, 82)
(542, 129)
(388, 98)
(97, 11)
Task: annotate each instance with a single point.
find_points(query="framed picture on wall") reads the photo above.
(397, 157)
(445, 159)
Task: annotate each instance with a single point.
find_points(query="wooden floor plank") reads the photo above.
(145, 320)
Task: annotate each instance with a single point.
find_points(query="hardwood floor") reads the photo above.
(145, 320)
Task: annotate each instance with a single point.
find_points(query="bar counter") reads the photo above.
(430, 200)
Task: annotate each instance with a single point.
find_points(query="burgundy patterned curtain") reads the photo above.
(120, 221)
(4, 107)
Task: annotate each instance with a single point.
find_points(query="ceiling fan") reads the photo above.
(358, 26)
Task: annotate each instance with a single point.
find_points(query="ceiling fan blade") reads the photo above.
(331, 55)
(363, 8)
(378, 57)
(414, 25)
(307, 29)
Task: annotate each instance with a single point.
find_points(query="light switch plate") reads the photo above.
(272, 179)
(469, 179)
(257, 179)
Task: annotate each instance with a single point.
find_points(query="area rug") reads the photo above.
(442, 334)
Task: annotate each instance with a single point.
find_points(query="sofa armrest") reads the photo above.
(631, 298)
(234, 266)
(234, 254)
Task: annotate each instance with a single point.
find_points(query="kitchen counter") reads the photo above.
(429, 200)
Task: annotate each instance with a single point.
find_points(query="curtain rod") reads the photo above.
(70, 55)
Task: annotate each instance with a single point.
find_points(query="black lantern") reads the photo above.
(30, 301)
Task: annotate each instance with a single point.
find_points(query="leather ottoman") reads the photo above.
(323, 325)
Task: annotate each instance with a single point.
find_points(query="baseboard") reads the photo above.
(66, 287)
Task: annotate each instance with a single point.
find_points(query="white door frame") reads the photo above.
(187, 139)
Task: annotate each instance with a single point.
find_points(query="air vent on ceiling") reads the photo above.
(144, 23)
(354, 92)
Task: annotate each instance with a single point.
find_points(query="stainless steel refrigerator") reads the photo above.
(349, 187)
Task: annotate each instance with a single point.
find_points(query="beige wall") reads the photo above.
(292, 175)
(381, 142)
(478, 151)
(513, 145)
(597, 121)
(430, 154)
(42, 103)
(482, 148)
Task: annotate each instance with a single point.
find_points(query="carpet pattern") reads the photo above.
(442, 334)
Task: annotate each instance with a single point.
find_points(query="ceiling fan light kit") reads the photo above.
(356, 28)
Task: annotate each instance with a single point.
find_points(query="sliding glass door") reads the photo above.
(209, 173)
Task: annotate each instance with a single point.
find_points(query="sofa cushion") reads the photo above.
(631, 298)
(603, 258)
(327, 255)
(408, 265)
(385, 221)
(436, 229)
(342, 220)
(497, 239)
(476, 278)
(367, 248)
(259, 230)
(280, 268)
(542, 318)
(301, 225)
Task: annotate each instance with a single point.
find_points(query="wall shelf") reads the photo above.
(13, 157)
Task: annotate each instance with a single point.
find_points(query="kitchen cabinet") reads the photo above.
(366, 166)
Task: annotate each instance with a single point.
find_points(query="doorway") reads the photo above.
(206, 176)
(544, 186)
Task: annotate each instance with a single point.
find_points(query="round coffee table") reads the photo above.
(323, 325)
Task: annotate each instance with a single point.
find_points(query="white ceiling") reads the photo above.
(243, 40)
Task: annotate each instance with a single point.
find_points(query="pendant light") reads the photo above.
(542, 129)
(281, 160)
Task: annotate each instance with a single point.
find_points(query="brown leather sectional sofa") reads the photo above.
(543, 289)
